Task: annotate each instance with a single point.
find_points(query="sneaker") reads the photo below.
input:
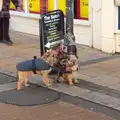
(7, 42)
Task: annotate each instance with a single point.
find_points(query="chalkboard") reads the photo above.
(51, 30)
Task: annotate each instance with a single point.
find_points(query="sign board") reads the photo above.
(52, 30)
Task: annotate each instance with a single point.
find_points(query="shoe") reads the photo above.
(7, 42)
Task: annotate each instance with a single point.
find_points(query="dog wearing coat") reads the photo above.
(41, 66)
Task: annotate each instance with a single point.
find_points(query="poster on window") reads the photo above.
(50, 5)
(62, 5)
(12, 7)
(83, 9)
(35, 6)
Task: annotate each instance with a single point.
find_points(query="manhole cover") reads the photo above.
(4, 79)
(33, 95)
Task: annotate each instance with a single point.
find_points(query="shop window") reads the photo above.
(12, 7)
(81, 7)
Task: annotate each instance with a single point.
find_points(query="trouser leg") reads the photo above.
(5, 27)
(1, 30)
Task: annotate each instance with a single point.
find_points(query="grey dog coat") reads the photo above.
(36, 64)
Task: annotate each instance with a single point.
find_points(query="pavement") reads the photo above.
(57, 111)
(99, 78)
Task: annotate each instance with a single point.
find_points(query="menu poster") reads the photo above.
(83, 9)
(53, 28)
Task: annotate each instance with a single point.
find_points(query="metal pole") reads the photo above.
(42, 50)
(69, 15)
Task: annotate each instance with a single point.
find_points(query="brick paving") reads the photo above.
(55, 111)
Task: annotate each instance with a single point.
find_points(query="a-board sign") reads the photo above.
(52, 29)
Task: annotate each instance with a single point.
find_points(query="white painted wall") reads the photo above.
(108, 26)
(96, 23)
(83, 34)
(25, 25)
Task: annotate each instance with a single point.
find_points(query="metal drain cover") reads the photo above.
(33, 95)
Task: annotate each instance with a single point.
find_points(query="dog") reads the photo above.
(29, 68)
(68, 67)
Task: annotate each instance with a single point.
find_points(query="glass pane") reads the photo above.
(12, 6)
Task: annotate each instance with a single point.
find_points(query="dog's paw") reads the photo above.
(27, 85)
(70, 83)
(18, 89)
(76, 81)
(47, 83)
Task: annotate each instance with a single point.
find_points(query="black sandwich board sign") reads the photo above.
(51, 30)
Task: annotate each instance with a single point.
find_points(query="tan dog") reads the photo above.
(50, 58)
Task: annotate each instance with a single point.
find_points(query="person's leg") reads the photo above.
(1, 30)
(6, 36)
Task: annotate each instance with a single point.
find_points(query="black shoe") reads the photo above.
(7, 42)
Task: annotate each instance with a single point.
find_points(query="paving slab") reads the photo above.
(4, 79)
(104, 80)
(94, 71)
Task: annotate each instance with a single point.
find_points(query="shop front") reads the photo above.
(28, 20)
(96, 22)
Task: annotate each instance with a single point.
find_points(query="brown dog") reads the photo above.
(50, 58)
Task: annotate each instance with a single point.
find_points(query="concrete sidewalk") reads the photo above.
(96, 67)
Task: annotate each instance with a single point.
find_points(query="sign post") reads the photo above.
(51, 30)
(69, 15)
